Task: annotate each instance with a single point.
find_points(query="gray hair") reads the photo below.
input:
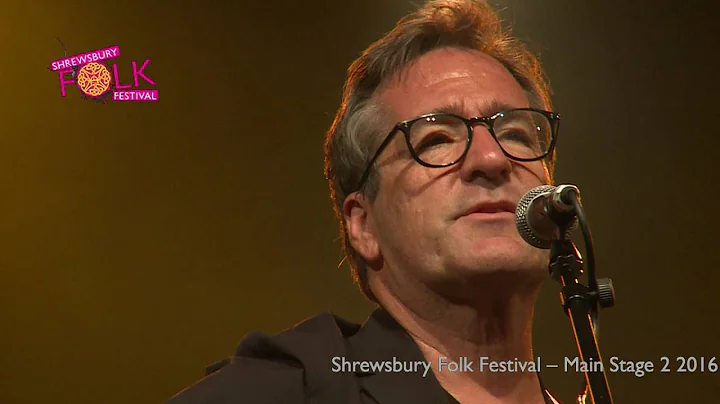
(465, 24)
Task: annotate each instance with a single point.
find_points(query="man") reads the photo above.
(443, 127)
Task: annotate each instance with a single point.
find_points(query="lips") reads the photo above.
(491, 207)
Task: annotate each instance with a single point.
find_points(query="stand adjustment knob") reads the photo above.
(606, 293)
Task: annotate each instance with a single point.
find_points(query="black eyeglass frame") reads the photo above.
(405, 126)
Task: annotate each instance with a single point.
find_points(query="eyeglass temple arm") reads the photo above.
(382, 146)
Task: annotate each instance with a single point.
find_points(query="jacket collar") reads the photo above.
(382, 339)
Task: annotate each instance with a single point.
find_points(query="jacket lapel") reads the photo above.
(382, 339)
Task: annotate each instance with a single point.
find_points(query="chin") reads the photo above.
(498, 255)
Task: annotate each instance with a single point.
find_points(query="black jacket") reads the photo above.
(294, 367)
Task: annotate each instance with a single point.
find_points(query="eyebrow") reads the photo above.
(456, 107)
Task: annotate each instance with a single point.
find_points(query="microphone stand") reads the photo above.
(580, 302)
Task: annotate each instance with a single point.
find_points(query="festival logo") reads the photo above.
(91, 75)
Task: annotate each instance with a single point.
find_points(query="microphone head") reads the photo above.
(532, 220)
(523, 217)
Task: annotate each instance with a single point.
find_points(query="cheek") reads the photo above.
(412, 198)
(388, 210)
(534, 173)
(402, 209)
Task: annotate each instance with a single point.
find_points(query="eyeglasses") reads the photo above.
(441, 140)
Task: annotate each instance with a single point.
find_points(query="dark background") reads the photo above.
(141, 241)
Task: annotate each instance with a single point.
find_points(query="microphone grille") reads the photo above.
(522, 218)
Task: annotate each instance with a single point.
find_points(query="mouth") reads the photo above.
(492, 209)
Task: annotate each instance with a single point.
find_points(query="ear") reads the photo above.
(360, 227)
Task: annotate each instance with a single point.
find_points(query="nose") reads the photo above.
(484, 158)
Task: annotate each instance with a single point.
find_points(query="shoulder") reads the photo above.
(275, 368)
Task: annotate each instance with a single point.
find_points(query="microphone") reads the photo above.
(539, 210)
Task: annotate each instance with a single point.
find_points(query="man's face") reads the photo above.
(421, 219)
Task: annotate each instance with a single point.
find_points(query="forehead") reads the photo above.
(462, 81)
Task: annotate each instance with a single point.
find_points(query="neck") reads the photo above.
(493, 325)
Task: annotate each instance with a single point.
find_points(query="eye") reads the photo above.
(517, 136)
(433, 139)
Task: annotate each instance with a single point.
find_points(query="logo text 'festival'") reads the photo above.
(94, 79)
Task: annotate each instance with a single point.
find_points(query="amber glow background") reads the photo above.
(140, 241)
